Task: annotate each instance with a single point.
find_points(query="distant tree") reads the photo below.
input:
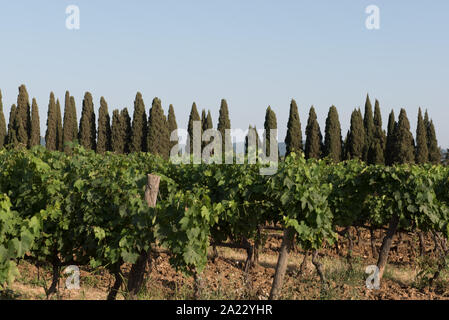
(356, 137)
(206, 123)
(35, 138)
(172, 125)
(22, 120)
(269, 124)
(104, 128)
(12, 134)
(404, 147)
(3, 132)
(194, 116)
(391, 140)
(87, 131)
(376, 154)
(421, 152)
(117, 133)
(70, 125)
(51, 133)
(125, 120)
(314, 144)
(434, 150)
(368, 123)
(139, 131)
(59, 133)
(223, 124)
(332, 137)
(158, 132)
(293, 139)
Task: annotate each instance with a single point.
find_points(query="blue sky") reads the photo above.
(253, 53)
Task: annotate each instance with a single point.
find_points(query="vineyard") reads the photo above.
(92, 209)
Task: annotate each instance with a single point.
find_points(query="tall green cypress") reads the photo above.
(139, 129)
(158, 132)
(23, 117)
(404, 147)
(356, 138)
(59, 133)
(293, 139)
(314, 139)
(88, 131)
(12, 134)
(51, 133)
(172, 125)
(194, 116)
(206, 125)
(35, 138)
(253, 131)
(125, 121)
(376, 153)
(391, 140)
(332, 137)
(223, 124)
(270, 123)
(117, 133)
(422, 153)
(368, 123)
(3, 132)
(434, 150)
(70, 125)
(104, 128)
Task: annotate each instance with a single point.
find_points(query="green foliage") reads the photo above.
(194, 116)
(355, 144)
(404, 146)
(35, 138)
(332, 138)
(172, 125)
(70, 125)
(87, 133)
(139, 127)
(3, 133)
(223, 124)
(270, 124)
(422, 153)
(104, 128)
(293, 139)
(314, 139)
(51, 140)
(158, 133)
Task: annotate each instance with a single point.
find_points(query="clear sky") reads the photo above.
(254, 53)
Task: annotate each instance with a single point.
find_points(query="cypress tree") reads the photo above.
(125, 121)
(293, 139)
(314, 144)
(332, 137)
(356, 137)
(139, 129)
(59, 132)
(203, 119)
(23, 117)
(270, 123)
(87, 131)
(158, 132)
(70, 126)
(51, 133)
(12, 135)
(3, 133)
(434, 150)
(376, 154)
(404, 147)
(368, 123)
(389, 148)
(251, 129)
(422, 153)
(104, 128)
(35, 138)
(223, 124)
(206, 125)
(172, 125)
(118, 134)
(194, 116)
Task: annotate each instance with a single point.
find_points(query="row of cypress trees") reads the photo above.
(366, 140)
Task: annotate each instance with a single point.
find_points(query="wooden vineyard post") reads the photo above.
(281, 268)
(137, 273)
